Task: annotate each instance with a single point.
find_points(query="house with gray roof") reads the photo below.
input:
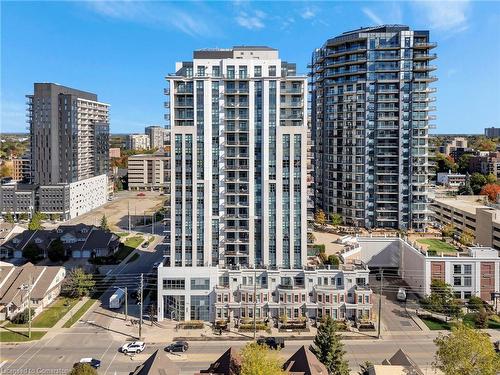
(45, 284)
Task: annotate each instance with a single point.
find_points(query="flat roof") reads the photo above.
(469, 204)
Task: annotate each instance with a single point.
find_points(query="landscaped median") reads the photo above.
(21, 336)
(81, 311)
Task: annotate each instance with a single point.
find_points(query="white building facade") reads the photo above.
(238, 125)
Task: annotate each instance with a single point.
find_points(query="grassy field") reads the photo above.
(81, 311)
(51, 314)
(129, 245)
(9, 336)
(470, 320)
(437, 245)
(122, 234)
(435, 324)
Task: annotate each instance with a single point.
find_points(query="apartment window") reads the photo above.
(216, 71)
(258, 71)
(201, 71)
(467, 281)
(272, 71)
(467, 295)
(467, 269)
(360, 299)
(230, 71)
(457, 281)
(200, 284)
(367, 299)
(457, 268)
(178, 284)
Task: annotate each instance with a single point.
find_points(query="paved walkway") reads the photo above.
(70, 313)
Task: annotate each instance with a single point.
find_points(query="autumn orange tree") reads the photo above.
(491, 190)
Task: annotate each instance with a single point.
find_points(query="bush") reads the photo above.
(194, 324)
(32, 253)
(23, 317)
(475, 303)
(249, 327)
(482, 318)
(332, 260)
(320, 249)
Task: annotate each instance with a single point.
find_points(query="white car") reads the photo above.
(133, 347)
(401, 296)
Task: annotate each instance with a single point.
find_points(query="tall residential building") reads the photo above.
(149, 171)
(69, 132)
(371, 99)
(69, 149)
(157, 136)
(492, 132)
(238, 207)
(138, 142)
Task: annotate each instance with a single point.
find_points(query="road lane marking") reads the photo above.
(2, 364)
(111, 342)
(33, 343)
(41, 347)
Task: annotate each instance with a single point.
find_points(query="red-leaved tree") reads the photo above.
(491, 190)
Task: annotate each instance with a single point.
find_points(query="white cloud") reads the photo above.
(158, 14)
(372, 16)
(450, 16)
(251, 22)
(308, 13)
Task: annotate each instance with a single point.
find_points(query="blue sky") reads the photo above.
(122, 50)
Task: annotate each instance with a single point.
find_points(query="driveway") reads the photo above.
(394, 316)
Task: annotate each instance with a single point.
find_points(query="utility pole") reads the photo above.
(126, 304)
(140, 306)
(380, 301)
(254, 302)
(128, 216)
(153, 223)
(29, 307)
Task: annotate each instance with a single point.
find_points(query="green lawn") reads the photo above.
(435, 324)
(51, 314)
(134, 241)
(122, 234)
(470, 320)
(437, 245)
(128, 246)
(81, 311)
(9, 336)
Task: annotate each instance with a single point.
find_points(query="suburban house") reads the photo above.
(157, 363)
(399, 364)
(45, 284)
(80, 241)
(7, 231)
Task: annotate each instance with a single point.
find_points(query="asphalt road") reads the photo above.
(59, 353)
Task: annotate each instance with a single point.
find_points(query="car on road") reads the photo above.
(401, 296)
(272, 342)
(145, 245)
(178, 346)
(133, 347)
(95, 363)
(141, 195)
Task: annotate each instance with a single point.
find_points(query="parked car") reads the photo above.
(95, 363)
(401, 296)
(272, 342)
(141, 195)
(145, 245)
(133, 347)
(178, 346)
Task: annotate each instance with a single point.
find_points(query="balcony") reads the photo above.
(424, 45)
(424, 56)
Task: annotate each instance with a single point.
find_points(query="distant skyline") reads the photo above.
(122, 50)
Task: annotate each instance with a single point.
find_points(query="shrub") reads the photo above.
(333, 260)
(23, 317)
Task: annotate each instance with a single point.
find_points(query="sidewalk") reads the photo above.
(70, 313)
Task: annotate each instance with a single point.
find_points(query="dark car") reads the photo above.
(95, 363)
(272, 342)
(179, 346)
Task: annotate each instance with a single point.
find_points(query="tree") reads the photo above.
(36, 221)
(482, 317)
(54, 217)
(491, 178)
(320, 217)
(104, 223)
(9, 218)
(6, 169)
(477, 181)
(82, 369)
(448, 230)
(260, 360)
(23, 317)
(445, 163)
(333, 260)
(466, 351)
(475, 303)
(484, 144)
(78, 283)
(56, 251)
(31, 252)
(464, 162)
(336, 219)
(466, 238)
(442, 298)
(23, 216)
(491, 191)
(363, 369)
(329, 349)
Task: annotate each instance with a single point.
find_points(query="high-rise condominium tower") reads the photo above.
(157, 136)
(69, 133)
(371, 99)
(238, 127)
